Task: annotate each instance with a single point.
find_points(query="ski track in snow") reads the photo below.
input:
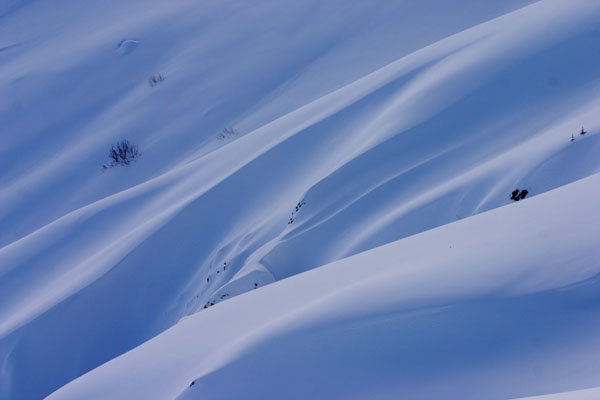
(381, 119)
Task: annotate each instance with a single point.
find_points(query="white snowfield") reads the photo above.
(501, 305)
(280, 137)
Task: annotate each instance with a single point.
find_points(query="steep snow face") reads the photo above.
(354, 125)
(502, 305)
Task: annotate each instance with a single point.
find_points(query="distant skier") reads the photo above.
(583, 131)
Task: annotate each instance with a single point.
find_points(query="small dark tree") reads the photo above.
(523, 194)
(123, 153)
(517, 194)
(583, 131)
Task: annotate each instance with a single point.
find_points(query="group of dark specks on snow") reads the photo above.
(224, 295)
(519, 194)
(223, 267)
(293, 214)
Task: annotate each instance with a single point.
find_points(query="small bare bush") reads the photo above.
(123, 153)
(156, 79)
(227, 133)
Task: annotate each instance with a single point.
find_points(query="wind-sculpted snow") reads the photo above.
(471, 310)
(346, 127)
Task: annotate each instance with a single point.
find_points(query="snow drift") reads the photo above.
(461, 311)
(348, 126)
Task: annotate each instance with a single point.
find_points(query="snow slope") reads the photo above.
(463, 311)
(586, 394)
(382, 118)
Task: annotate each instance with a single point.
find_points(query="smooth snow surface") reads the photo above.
(283, 136)
(461, 311)
(587, 394)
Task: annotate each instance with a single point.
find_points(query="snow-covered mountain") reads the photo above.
(280, 137)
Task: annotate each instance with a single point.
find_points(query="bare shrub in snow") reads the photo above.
(517, 194)
(156, 79)
(123, 153)
(227, 133)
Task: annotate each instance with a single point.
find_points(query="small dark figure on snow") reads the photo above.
(193, 383)
(583, 131)
(515, 195)
(572, 138)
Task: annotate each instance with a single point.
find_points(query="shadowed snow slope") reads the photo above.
(355, 124)
(503, 304)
